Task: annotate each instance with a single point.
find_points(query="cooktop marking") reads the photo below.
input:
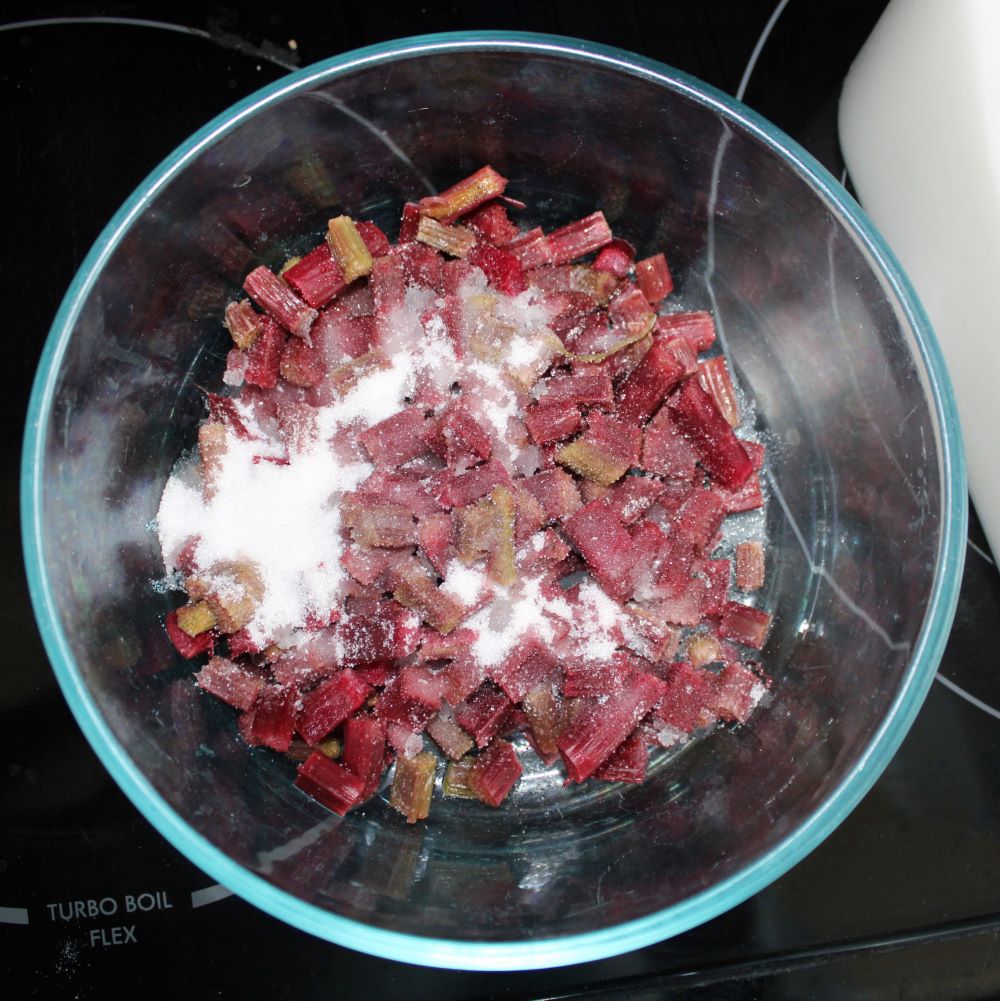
(14, 915)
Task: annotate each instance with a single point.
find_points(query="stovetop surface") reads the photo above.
(902, 900)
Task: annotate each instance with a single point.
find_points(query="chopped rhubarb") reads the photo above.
(364, 751)
(714, 377)
(749, 566)
(272, 721)
(718, 448)
(413, 786)
(628, 763)
(502, 267)
(584, 236)
(648, 384)
(605, 452)
(549, 421)
(744, 624)
(234, 685)
(317, 277)
(263, 358)
(495, 773)
(243, 323)
(454, 240)
(483, 713)
(653, 276)
(448, 415)
(602, 725)
(697, 328)
(277, 300)
(330, 783)
(186, 645)
(348, 248)
(461, 198)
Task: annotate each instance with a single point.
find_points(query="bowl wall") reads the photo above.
(865, 485)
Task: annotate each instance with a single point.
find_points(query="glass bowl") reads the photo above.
(866, 485)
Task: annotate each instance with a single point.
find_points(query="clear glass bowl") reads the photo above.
(866, 516)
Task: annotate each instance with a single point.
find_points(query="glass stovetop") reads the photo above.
(902, 900)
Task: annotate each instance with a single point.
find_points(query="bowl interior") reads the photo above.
(861, 484)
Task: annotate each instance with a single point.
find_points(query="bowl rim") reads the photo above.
(531, 953)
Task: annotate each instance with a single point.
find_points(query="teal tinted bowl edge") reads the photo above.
(529, 953)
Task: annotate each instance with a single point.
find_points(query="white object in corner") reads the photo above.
(920, 133)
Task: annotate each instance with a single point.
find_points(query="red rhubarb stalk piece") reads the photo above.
(317, 278)
(719, 450)
(329, 783)
(579, 238)
(550, 421)
(628, 763)
(264, 356)
(364, 751)
(279, 301)
(714, 377)
(495, 773)
(397, 439)
(461, 198)
(648, 384)
(653, 277)
(697, 328)
(272, 722)
(601, 726)
(749, 566)
(188, 646)
(503, 268)
(493, 224)
(483, 713)
(234, 685)
(602, 540)
(329, 704)
(744, 624)
(532, 248)
(616, 258)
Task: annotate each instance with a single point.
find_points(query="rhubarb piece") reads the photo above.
(414, 588)
(458, 779)
(272, 718)
(408, 223)
(329, 704)
(397, 439)
(697, 328)
(616, 258)
(749, 566)
(243, 323)
(449, 736)
(557, 493)
(503, 269)
(234, 685)
(493, 224)
(628, 763)
(633, 496)
(544, 709)
(458, 438)
(413, 786)
(719, 450)
(747, 497)
(648, 384)
(532, 248)
(588, 387)
(550, 421)
(329, 783)
(188, 646)
(233, 589)
(703, 648)
(462, 490)
(461, 198)
(495, 773)
(604, 543)
(715, 576)
(630, 306)
(483, 713)
(568, 243)
(686, 698)
(380, 525)
(374, 239)
(317, 278)
(665, 450)
(603, 725)
(744, 624)
(653, 277)
(195, 618)
(434, 539)
(280, 302)
(605, 452)
(364, 751)
(454, 240)
(528, 666)
(736, 690)
(348, 248)
(714, 378)
(599, 285)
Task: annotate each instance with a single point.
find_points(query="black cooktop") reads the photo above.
(903, 900)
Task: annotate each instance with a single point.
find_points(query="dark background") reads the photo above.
(903, 900)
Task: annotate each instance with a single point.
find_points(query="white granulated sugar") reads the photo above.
(514, 613)
(375, 397)
(280, 518)
(597, 623)
(464, 582)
